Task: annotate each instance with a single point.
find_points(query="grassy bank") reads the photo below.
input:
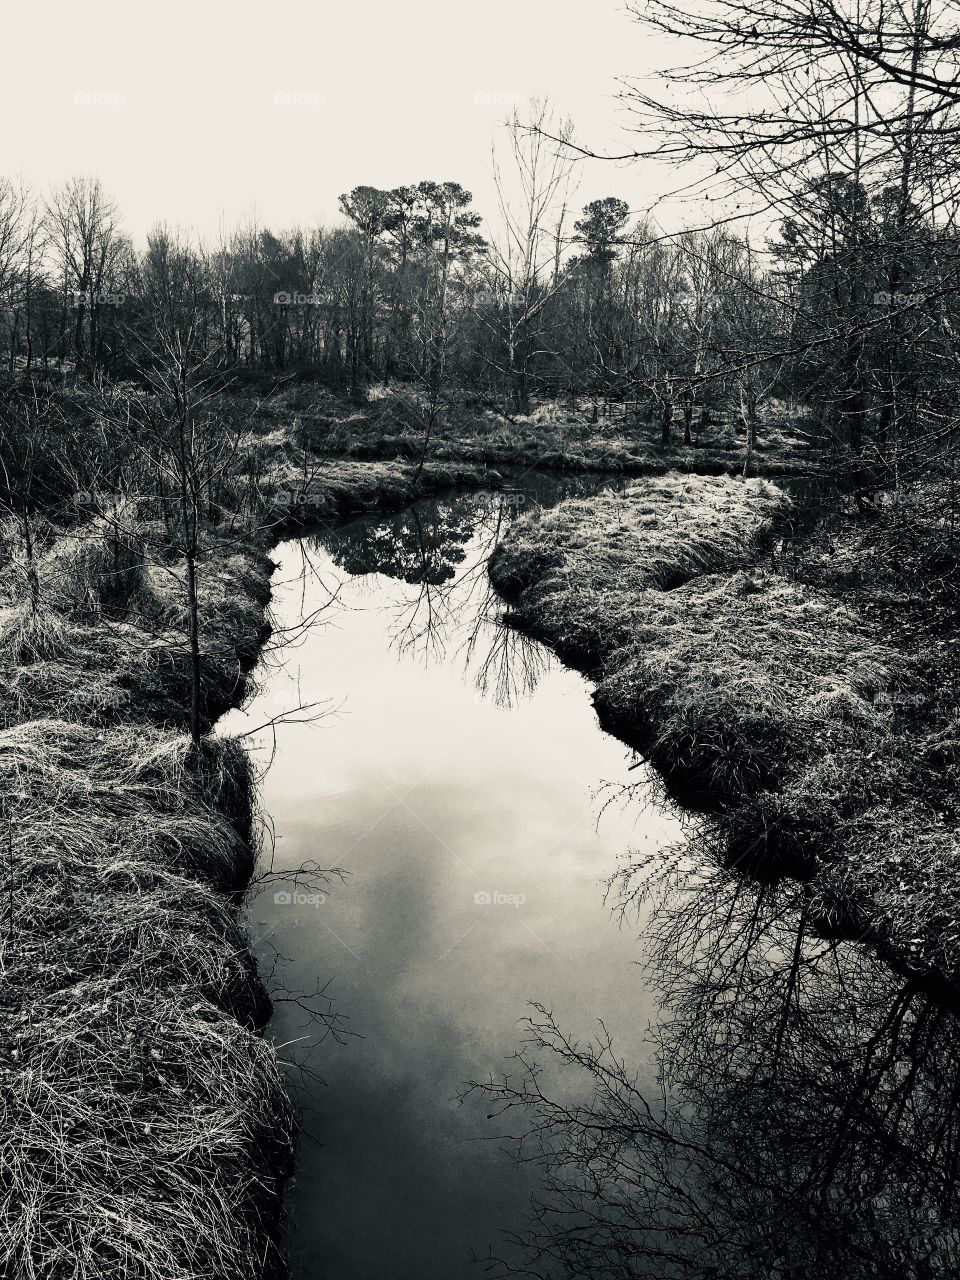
(146, 1129)
(558, 436)
(820, 748)
(580, 570)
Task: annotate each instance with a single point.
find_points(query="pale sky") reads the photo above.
(173, 105)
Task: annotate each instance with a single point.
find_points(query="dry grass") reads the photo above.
(555, 436)
(892, 874)
(657, 533)
(145, 1124)
(125, 918)
(775, 704)
(579, 568)
(146, 1128)
(75, 790)
(98, 567)
(102, 638)
(329, 491)
(143, 1134)
(745, 678)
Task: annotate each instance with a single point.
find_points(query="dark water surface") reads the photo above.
(457, 785)
(786, 1106)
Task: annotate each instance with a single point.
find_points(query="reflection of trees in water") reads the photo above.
(806, 1123)
(507, 664)
(421, 544)
(442, 546)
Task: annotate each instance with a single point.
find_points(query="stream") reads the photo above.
(453, 774)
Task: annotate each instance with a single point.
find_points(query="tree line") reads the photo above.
(841, 145)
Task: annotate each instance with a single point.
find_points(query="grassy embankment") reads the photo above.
(555, 436)
(145, 1129)
(823, 750)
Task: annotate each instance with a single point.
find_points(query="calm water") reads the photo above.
(457, 782)
(785, 1107)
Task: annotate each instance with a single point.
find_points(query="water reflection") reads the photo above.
(457, 788)
(760, 1103)
(424, 543)
(806, 1122)
(442, 547)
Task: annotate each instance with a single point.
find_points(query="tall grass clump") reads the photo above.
(145, 1126)
(66, 786)
(102, 635)
(742, 679)
(144, 1135)
(777, 706)
(656, 533)
(294, 495)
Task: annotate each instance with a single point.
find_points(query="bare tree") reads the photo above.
(83, 229)
(525, 261)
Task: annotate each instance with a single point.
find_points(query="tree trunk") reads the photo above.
(748, 413)
(704, 421)
(33, 578)
(666, 422)
(687, 417)
(521, 391)
(194, 632)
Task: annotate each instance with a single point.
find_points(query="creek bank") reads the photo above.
(555, 436)
(811, 741)
(147, 1130)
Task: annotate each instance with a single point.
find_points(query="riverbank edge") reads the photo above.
(392, 423)
(177, 851)
(807, 743)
